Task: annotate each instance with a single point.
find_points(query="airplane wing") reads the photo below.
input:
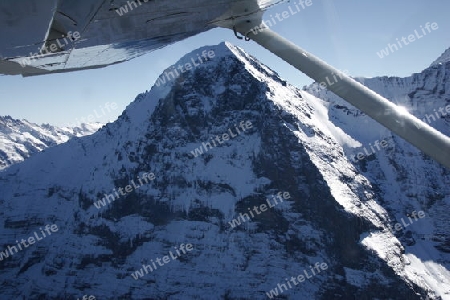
(48, 36)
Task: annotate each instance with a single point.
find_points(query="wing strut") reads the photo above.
(418, 133)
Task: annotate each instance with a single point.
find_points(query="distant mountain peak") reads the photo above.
(20, 138)
(445, 57)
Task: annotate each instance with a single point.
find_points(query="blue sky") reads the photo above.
(345, 33)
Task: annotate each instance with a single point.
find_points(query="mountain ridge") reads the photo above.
(20, 138)
(444, 58)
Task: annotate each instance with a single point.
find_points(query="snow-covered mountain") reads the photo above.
(184, 167)
(19, 139)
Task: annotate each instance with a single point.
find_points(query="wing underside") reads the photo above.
(48, 36)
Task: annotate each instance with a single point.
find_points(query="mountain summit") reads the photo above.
(221, 182)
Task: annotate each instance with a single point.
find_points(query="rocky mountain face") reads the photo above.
(225, 182)
(19, 139)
